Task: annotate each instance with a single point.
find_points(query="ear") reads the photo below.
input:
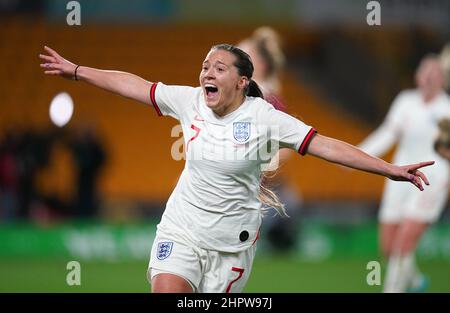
(243, 82)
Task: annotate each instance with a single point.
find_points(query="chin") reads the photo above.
(211, 104)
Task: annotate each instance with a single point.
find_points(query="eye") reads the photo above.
(221, 69)
(204, 68)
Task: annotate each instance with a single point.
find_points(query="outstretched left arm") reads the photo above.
(339, 152)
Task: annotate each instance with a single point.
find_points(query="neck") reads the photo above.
(227, 109)
(428, 97)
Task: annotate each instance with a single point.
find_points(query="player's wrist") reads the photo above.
(390, 170)
(75, 73)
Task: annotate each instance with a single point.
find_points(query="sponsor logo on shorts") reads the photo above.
(164, 250)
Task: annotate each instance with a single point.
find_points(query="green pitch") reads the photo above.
(270, 274)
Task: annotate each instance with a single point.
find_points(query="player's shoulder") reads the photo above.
(260, 108)
(408, 94)
(178, 88)
(405, 99)
(258, 105)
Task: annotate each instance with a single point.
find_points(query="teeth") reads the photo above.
(210, 85)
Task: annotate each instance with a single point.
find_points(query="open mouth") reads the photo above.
(211, 90)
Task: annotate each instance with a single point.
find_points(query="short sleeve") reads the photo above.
(288, 131)
(171, 100)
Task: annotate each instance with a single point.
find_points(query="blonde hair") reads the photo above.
(269, 198)
(268, 43)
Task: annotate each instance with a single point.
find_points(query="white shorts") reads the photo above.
(206, 270)
(403, 200)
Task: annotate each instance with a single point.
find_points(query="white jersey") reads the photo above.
(215, 202)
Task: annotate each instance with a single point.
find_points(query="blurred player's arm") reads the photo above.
(342, 153)
(121, 83)
(384, 137)
(380, 140)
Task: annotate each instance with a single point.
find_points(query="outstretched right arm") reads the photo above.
(121, 83)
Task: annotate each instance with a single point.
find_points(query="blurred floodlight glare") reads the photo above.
(61, 109)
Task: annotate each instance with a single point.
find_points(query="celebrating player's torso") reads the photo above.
(218, 189)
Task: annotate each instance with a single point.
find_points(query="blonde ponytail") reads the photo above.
(269, 198)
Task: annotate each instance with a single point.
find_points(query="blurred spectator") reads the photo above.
(29, 169)
(22, 155)
(89, 157)
(33, 154)
(9, 177)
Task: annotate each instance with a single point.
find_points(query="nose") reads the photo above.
(209, 73)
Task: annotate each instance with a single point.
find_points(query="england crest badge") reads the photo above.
(241, 131)
(164, 250)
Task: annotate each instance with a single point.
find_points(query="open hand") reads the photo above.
(411, 173)
(56, 64)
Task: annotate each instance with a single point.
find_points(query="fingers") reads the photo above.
(51, 51)
(423, 177)
(47, 58)
(416, 181)
(420, 165)
(51, 66)
(54, 72)
(417, 176)
(414, 175)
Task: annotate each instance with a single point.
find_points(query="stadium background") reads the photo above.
(341, 77)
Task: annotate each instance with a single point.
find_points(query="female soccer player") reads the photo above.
(206, 239)
(412, 122)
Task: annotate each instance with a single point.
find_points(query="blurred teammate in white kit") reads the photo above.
(412, 123)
